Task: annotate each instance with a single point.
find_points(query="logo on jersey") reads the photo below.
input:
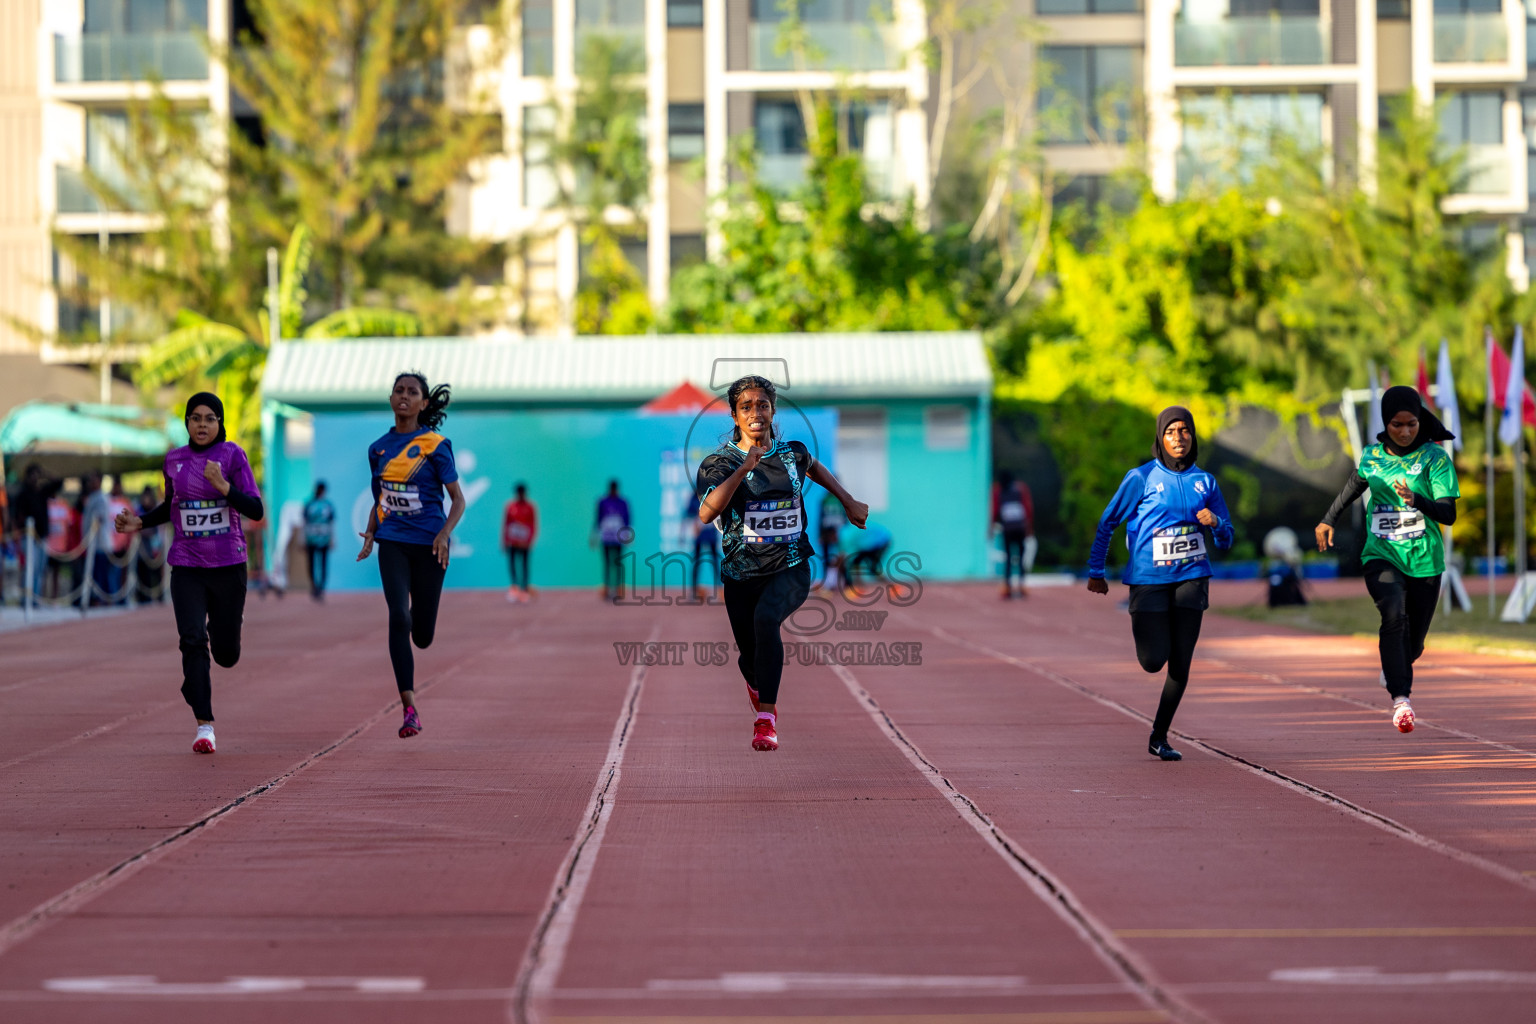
(414, 452)
(1158, 488)
(1199, 486)
(1416, 469)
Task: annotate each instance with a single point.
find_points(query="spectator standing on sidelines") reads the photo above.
(706, 547)
(96, 514)
(64, 551)
(1013, 512)
(32, 506)
(151, 567)
(613, 531)
(319, 524)
(519, 524)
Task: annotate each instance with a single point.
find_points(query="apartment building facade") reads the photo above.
(711, 71)
(1211, 72)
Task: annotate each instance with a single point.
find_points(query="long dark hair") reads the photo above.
(749, 383)
(437, 400)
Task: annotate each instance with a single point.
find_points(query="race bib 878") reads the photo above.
(772, 522)
(1175, 545)
(204, 518)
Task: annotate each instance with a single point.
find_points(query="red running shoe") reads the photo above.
(1402, 715)
(763, 735)
(753, 695)
(412, 724)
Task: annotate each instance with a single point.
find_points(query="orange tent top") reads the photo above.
(686, 397)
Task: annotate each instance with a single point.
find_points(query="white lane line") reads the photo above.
(67, 902)
(1322, 796)
(547, 947)
(1138, 975)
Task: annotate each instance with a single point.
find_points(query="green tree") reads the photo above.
(827, 257)
(232, 356)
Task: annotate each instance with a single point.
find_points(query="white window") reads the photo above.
(863, 455)
(946, 428)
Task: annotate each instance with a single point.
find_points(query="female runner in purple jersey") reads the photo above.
(208, 487)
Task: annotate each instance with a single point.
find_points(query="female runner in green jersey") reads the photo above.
(1413, 491)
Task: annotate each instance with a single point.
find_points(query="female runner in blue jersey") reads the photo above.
(412, 465)
(1168, 506)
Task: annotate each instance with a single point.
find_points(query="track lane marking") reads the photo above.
(21, 928)
(1121, 960)
(1269, 677)
(551, 938)
(1321, 795)
(1327, 933)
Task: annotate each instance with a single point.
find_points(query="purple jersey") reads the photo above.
(207, 529)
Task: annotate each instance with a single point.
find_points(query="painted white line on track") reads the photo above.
(1137, 974)
(67, 902)
(1322, 796)
(547, 947)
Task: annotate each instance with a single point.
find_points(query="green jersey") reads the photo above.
(1400, 533)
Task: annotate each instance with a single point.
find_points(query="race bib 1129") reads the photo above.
(1175, 545)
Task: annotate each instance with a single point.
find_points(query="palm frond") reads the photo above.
(189, 350)
(365, 322)
(290, 281)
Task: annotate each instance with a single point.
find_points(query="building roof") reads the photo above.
(808, 367)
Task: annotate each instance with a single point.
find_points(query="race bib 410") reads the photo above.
(1176, 545)
(399, 499)
(772, 522)
(204, 518)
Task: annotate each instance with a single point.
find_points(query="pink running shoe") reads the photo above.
(1402, 715)
(412, 724)
(763, 735)
(204, 744)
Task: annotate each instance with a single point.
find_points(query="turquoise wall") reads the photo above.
(937, 498)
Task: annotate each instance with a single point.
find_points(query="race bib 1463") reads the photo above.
(772, 522)
(399, 499)
(1396, 524)
(204, 518)
(1175, 545)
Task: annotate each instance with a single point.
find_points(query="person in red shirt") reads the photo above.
(1013, 512)
(518, 526)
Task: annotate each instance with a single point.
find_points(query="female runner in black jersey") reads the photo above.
(754, 484)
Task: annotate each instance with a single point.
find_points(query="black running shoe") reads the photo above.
(1160, 748)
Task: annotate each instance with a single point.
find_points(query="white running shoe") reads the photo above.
(1402, 715)
(204, 743)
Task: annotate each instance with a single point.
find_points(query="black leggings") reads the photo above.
(413, 585)
(1013, 555)
(319, 567)
(1407, 605)
(757, 607)
(613, 570)
(1165, 620)
(209, 606)
(517, 559)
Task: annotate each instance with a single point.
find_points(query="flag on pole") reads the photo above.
(1514, 389)
(1374, 427)
(1498, 373)
(1445, 387)
(1422, 380)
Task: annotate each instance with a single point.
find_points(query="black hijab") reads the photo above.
(1173, 414)
(1402, 398)
(211, 400)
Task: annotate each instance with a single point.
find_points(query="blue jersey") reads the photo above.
(409, 474)
(1167, 542)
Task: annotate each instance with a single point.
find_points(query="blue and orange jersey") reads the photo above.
(409, 474)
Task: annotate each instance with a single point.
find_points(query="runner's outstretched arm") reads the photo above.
(858, 512)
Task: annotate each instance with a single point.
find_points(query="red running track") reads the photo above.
(980, 838)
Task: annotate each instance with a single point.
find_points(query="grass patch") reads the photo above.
(1356, 616)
